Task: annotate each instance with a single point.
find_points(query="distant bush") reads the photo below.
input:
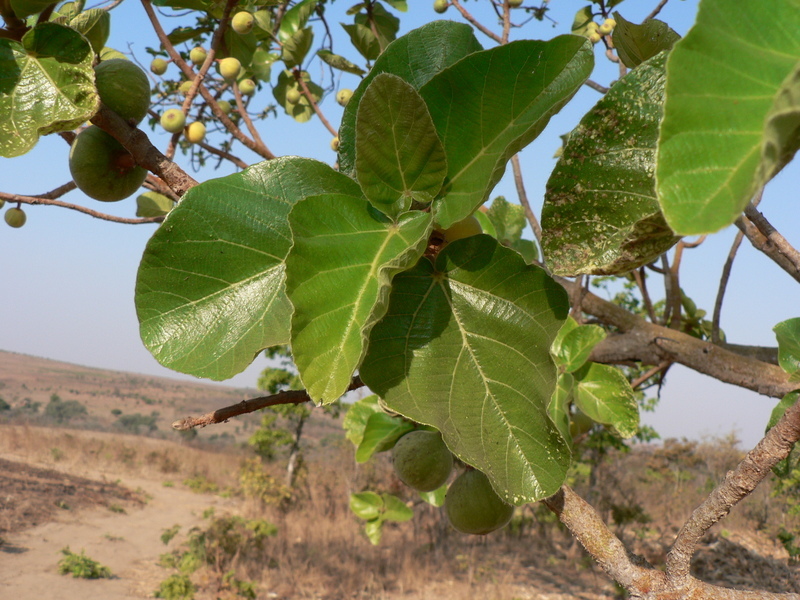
(135, 422)
(4, 405)
(62, 411)
(80, 565)
(176, 587)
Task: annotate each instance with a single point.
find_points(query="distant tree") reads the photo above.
(62, 411)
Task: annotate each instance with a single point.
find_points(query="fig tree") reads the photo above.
(242, 22)
(173, 120)
(102, 168)
(124, 88)
(422, 461)
(229, 67)
(472, 505)
(15, 217)
(158, 66)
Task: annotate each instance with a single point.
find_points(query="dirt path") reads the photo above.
(129, 544)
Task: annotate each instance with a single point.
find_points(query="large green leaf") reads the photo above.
(295, 48)
(606, 396)
(338, 275)
(296, 18)
(637, 43)
(209, 293)
(46, 85)
(415, 58)
(732, 111)
(601, 215)
(464, 347)
(506, 96)
(355, 420)
(399, 157)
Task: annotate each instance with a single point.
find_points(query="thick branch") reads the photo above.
(774, 236)
(144, 153)
(763, 244)
(247, 406)
(739, 483)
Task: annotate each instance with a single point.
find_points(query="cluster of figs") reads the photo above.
(422, 461)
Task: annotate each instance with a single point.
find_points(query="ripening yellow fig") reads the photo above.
(173, 120)
(184, 87)
(472, 505)
(343, 96)
(440, 6)
(293, 95)
(247, 87)
(158, 66)
(229, 67)
(198, 55)
(335, 144)
(242, 22)
(15, 217)
(607, 27)
(595, 37)
(195, 132)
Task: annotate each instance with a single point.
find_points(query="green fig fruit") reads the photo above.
(124, 88)
(422, 461)
(472, 505)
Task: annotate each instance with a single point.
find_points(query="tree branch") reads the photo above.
(761, 243)
(723, 284)
(773, 235)
(38, 200)
(475, 23)
(307, 93)
(596, 86)
(523, 199)
(656, 10)
(247, 406)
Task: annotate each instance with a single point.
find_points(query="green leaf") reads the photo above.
(366, 505)
(201, 5)
(396, 510)
(363, 40)
(638, 43)
(380, 434)
(558, 409)
(296, 47)
(153, 204)
(302, 111)
(527, 249)
(261, 65)
(184, 34)
(580, 23)
(732, 111)
(508, 95)
(339, 62)
(338, 276)
(209, 293)
(386, 24)
(601, 214)
(47, 89)
(436, 497)
(25, 8)
(785, 403)
(94, 24)
(788, 334)
(399, 156)
(606, 396)
(401, 5)
(464, 348)
(486, 225)
(241, 47)
(295, 19)
(508, 220)
(573, 349)
(374, 531)
(355, 421)
(415, 58)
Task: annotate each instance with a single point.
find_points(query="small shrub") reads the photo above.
(168, 534)
(200, 484)
(176, 587)
(80, 565)
(116, 508)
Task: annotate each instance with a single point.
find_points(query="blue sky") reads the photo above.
(68, 279)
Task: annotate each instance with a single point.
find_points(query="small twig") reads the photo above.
(523, 198)
(475, 23)
(675, 299)
(247, 406)
(641, 283)
(242, 109)
(739, 483)
(656, 10)
(506, 18)
(723, 284)
(222, 154)
(307, 93)
(39, 200)
(762, 244)
(773, 235)
(596, 86)
(649, 373)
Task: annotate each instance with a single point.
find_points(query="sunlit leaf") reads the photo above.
(339, 62)
(338, 276)
(301, 111)
(374, 531)
(558, 409)
(464, 347)
(508, 220)
(366, 505)
(209, 293)
(399, 156)
(788, 334)
(296, 47)
(415, 58)
(574, 344)
(601, 214)
(380, 434)
(396, 510)
(777, 413)
(46, 85)
(436, 497)
(153, 204)
(507, 95)
(296, 18)
(606, 396)
(355, 420)
(732, 111)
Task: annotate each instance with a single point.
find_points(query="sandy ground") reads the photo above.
(129, 544)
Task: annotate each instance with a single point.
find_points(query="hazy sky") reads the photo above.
(67, 280)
